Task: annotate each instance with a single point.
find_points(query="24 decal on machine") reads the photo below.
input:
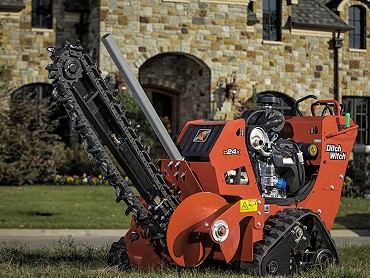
(231, 151)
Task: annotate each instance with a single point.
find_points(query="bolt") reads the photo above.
(341, 176)
(259, 224)
(332, 187)
(259, 202)
(72, 68)
(259, 213)
(319, 211)
(298, 232)
(221, 231)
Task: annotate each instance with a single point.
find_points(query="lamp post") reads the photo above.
(336, 43)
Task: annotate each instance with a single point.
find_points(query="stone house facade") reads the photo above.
(186, 52)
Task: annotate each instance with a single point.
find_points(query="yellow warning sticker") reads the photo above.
(313, 150)
(248, 205)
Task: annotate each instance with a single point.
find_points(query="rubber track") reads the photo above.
(275, 228)
(153, 220)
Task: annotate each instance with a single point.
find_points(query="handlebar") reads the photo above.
(329, 104)
(300, 100)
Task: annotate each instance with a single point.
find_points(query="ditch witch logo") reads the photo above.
(335, 152)
(202, 135)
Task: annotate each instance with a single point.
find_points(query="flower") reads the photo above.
(70, 180)
(85, 179)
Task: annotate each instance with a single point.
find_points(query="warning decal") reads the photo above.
(248, 205)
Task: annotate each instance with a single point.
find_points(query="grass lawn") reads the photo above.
(94, 207)
(57, 207)
(73, 260)
(353, 214)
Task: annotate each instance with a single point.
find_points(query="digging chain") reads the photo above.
(98, 118)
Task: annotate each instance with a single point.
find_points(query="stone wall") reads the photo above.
(186, 77)
(215, 33)
(24, 48)
(300, 64)
(355, 68)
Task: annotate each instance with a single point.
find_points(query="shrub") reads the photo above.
(76, 162)
(137, 117)
(29, 152)
(349, 189)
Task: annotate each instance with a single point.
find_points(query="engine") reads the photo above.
(278, 162)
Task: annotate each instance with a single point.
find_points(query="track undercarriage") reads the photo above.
(293, 239)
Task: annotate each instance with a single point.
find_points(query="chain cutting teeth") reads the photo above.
(73, 69)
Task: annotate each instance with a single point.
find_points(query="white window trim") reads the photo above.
(236, 2)
(177, 1)
(361, 50)
(272, 42)
(42, 29)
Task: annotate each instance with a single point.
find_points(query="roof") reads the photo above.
(313, 14)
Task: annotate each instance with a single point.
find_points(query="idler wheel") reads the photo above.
(323, 258)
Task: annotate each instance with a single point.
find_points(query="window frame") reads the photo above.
(40, 20)
(268, 24)
(350, 104)
(355, 34)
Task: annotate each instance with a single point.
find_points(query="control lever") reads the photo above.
(300, 100)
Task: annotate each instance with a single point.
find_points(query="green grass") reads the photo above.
(57, 207)
(353, 214)
(94, 207)
(71, 259)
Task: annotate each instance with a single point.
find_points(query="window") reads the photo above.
(34, 91)
(359, 108)
(357, 16)
(271, 20)
(42, 14)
